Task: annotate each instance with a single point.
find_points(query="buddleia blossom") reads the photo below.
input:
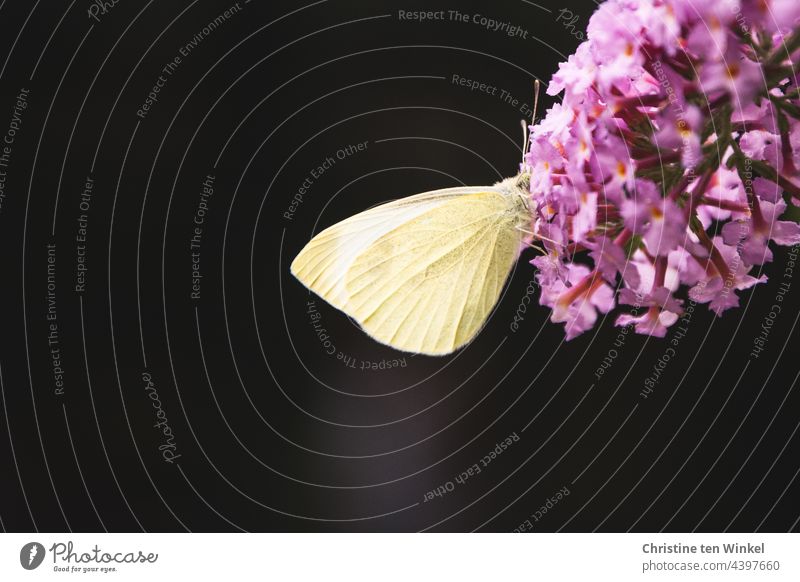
(663, 174)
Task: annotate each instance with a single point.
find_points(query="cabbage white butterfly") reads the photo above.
(423, 273)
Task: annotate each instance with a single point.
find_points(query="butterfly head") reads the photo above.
(518, 189)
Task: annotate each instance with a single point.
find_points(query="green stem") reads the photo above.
(716, 257)
(784, 51)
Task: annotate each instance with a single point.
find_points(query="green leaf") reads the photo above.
(634, 243)
(792, 212)
(790, 44)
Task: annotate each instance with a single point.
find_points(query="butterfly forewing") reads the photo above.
(421, 274)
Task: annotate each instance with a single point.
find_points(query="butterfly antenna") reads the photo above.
(525, 130)
(525, 134)
(539, 236)
(537, 248)
(555, 242)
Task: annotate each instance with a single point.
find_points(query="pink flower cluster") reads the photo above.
(663, 174)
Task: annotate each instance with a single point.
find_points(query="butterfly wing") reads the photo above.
(421, 274)
(323, 263)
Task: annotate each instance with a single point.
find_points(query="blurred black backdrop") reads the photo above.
(160, 366)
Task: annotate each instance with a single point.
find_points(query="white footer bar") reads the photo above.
(401, 557)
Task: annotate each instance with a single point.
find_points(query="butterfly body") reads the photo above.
(423, 273)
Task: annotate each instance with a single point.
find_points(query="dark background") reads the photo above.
(272, 433)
